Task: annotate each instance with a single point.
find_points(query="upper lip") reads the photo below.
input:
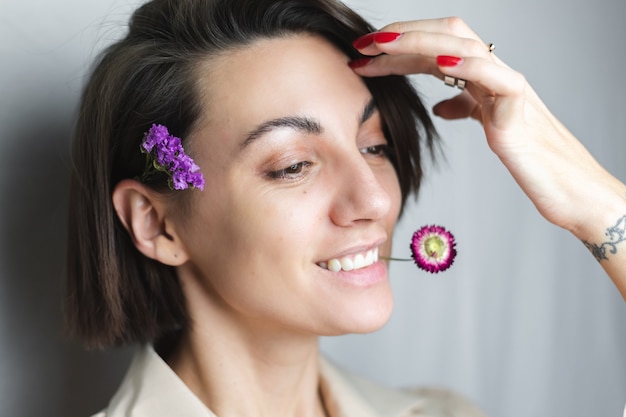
(356, 249)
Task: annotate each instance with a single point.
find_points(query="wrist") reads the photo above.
(604, 231)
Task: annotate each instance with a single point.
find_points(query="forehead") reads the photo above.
(298, 74)
(266, 64)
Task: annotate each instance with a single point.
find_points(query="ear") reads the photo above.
(143, 214)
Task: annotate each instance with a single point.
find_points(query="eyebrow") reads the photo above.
(368, 111)
(300, 123)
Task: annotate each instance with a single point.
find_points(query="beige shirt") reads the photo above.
(152, 389)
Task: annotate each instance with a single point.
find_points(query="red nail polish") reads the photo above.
(364, 41)
(449, 61)
(378, 37)
(360, 62)
(386, 37)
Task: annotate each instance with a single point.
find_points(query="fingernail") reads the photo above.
(386, 37)
(378, 37)
(364, 41)
(360, 62)
(449, 61)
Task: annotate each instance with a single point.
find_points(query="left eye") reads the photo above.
(377, 150)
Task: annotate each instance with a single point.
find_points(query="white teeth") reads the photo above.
(369, 257)
(359, 261)
(347, 263)
(334, 265)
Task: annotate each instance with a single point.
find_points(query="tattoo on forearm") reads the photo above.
(615, 235)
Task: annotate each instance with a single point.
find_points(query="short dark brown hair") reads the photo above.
(115, 295)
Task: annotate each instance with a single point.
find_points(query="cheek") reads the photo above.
(391, 184)
(242, 231)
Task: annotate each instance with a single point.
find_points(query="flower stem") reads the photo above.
(389, 258)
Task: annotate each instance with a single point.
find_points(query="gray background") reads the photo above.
(525, 323)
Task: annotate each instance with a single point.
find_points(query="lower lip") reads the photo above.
(363, 277)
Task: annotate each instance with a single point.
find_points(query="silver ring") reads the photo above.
(454, 82)
(491, 47)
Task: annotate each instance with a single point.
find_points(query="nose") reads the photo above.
(360, 195)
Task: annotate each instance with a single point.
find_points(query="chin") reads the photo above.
(366, 317)
(375, 321)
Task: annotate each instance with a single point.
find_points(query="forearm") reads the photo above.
(605, 238)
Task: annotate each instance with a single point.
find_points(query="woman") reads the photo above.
(307, 156)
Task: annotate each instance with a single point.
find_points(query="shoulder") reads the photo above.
(349, 389)
(424, 401)
(444, 402)
(100, 414)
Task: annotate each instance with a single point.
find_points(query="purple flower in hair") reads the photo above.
(165, 153)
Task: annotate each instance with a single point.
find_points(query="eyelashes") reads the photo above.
(291, 172)
(382, 150)
(298, 170)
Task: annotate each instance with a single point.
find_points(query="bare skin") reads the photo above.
(291, 150)
(566, 184)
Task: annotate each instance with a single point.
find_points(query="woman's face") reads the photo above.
(297, 179)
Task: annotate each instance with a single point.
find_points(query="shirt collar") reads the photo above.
(348, 395)
(152, 388)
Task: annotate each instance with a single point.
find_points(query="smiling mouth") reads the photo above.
(352, 262)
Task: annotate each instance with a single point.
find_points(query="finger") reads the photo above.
(459, 107)
(487, 76)
(415, 38)
(499, 92)
(449, 25)
(396, 65)
(426, 44)
(414, 52)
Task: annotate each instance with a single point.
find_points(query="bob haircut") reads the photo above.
(114, 294)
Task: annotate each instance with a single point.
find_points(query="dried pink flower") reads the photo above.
(433, 248)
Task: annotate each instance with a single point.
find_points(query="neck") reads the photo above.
(240, 367)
